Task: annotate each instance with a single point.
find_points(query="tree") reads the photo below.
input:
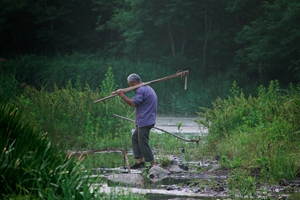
(270, 43)
(155, 27)
(14, 23)
(55, 26)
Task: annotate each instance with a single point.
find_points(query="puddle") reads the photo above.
(170, 181)
(174, 197)
(155, 194)
(107, 159)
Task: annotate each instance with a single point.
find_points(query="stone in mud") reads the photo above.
(133, 180)
(214, 168)
(175, 169)
(157, 173)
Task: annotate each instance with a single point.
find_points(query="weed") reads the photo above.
(241, 181)
(165, 161)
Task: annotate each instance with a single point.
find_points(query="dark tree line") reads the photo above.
(245, 38)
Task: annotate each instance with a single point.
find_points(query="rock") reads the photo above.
(215, 167)
(133, 180)
(170, 187)
(283, 182)
(283, 197)
(217, 157)
(175, 162)
(157, 171)
(175, 169)
(184, 167)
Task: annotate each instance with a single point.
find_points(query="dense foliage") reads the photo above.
(258, 131)
(246, 40)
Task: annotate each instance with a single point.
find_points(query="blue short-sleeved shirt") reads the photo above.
(145, 101)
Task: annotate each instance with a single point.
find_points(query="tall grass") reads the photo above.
(9, 88)
(43, 73)
(71, 117)
(30, 165)
(261, 131)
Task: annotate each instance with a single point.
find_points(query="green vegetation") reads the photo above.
(256, 133)
(69, 114)
(87, 72)
(57, 57)
(247, 40)
(250, 133)
(30, 165)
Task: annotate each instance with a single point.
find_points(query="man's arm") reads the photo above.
(121, 93)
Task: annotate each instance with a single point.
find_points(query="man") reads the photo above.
(145, 104)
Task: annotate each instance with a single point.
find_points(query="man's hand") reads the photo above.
(121, 92)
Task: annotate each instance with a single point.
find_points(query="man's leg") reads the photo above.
(135, 146)
(143, 139)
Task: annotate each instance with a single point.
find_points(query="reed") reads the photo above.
(30, 165)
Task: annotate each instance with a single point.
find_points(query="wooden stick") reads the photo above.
(197, 141)
(113, 94)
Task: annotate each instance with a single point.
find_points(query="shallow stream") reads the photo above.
(190, 184)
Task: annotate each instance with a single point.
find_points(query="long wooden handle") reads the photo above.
(186, 140)
(113, 94)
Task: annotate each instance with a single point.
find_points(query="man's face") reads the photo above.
(131, 84)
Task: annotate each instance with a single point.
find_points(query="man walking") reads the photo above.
(145, 104)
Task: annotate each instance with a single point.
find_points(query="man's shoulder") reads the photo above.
(145, 87)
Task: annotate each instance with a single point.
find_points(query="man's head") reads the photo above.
(133, 79)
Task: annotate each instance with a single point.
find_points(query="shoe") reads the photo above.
(138, 165)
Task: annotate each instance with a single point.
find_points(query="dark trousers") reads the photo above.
(140, 143)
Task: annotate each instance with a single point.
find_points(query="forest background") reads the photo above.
(250, 42)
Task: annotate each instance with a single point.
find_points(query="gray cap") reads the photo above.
(134, 78)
